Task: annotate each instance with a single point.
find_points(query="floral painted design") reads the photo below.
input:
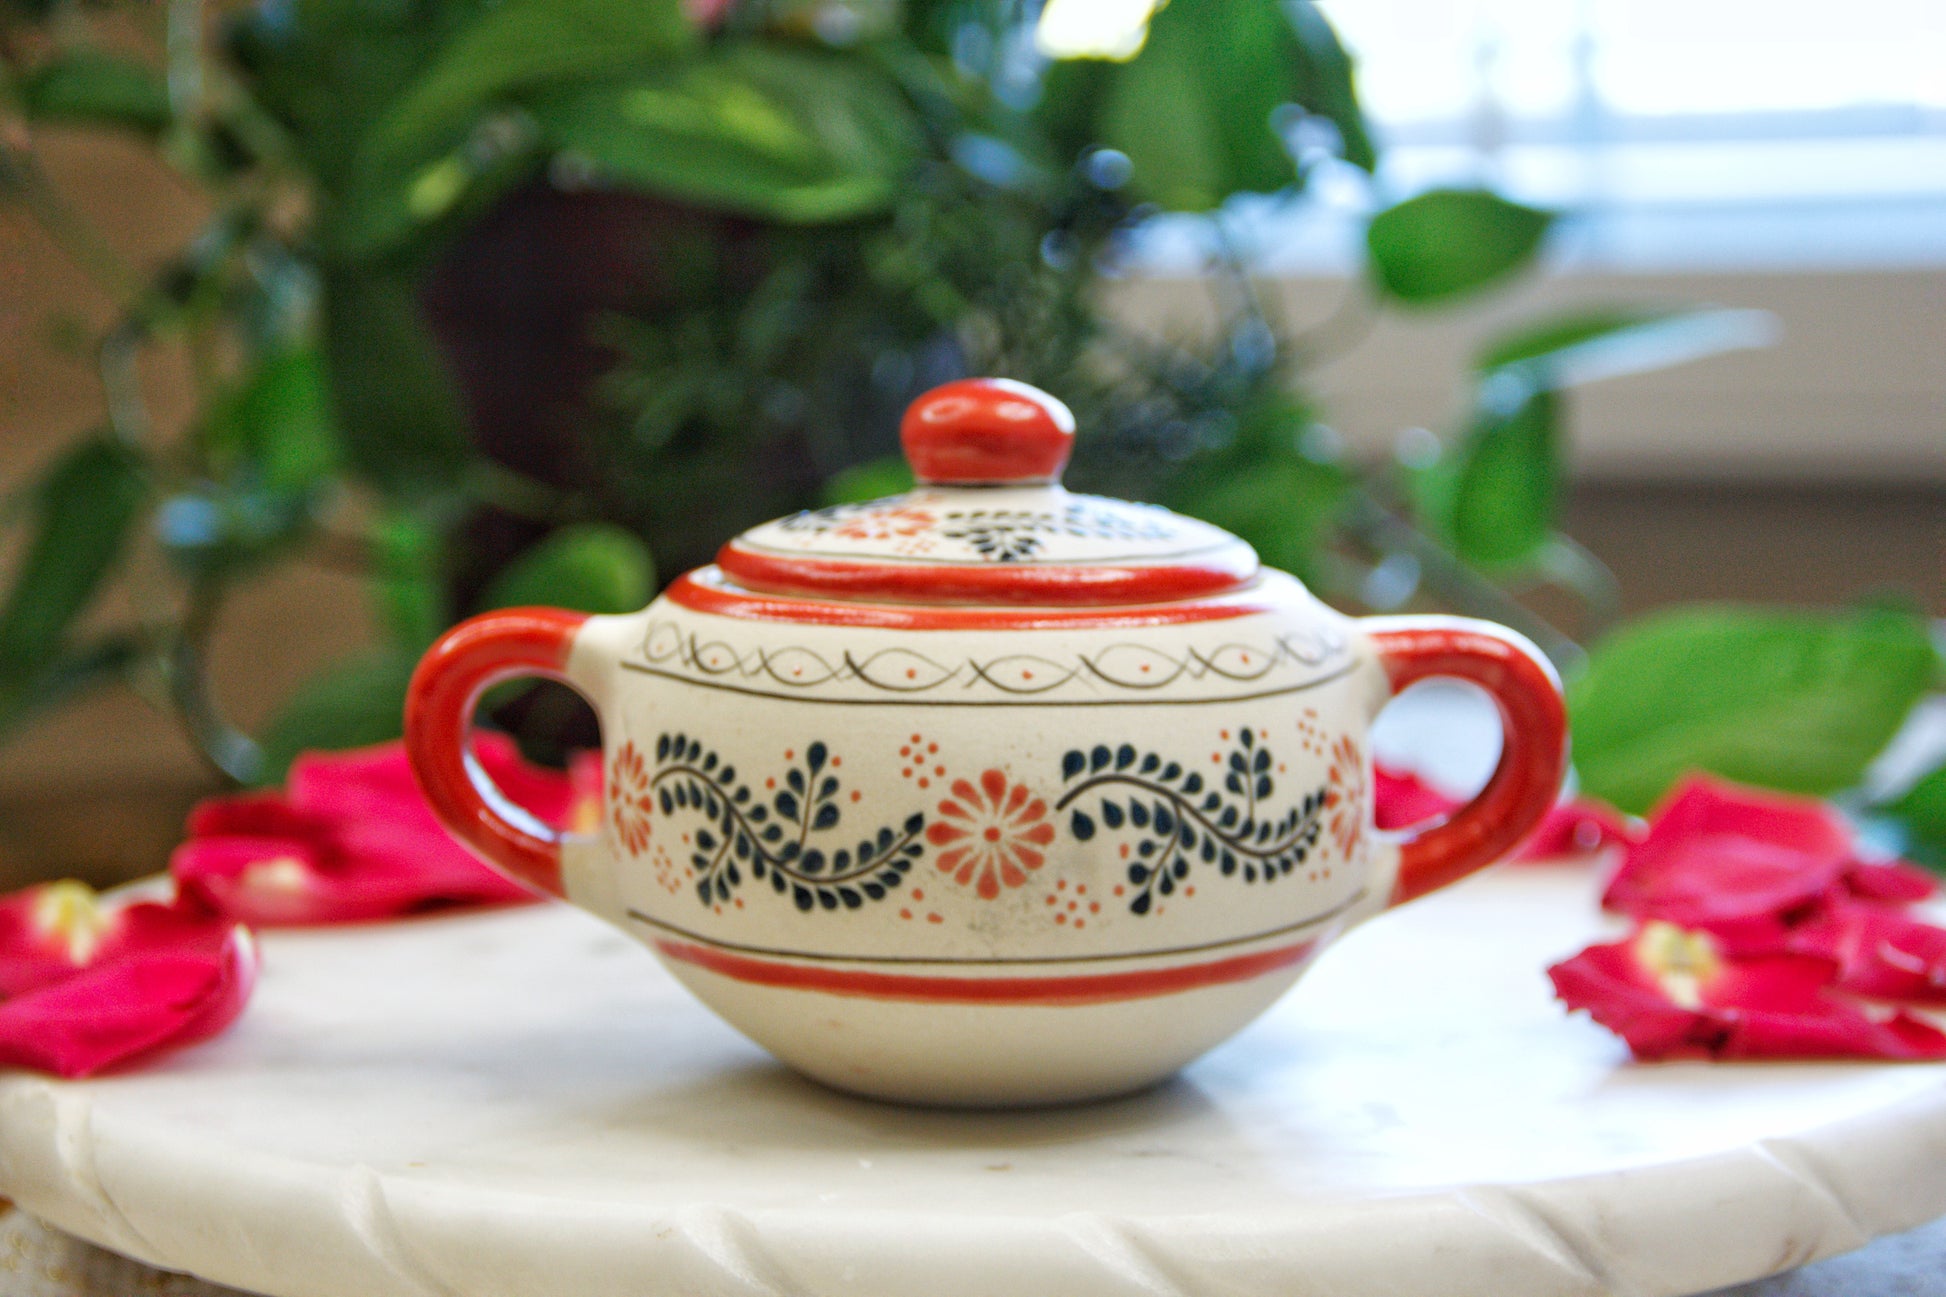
(991, 836)
(888, 525)
(1174, 818)
(787, 835)
(1011, 535)
(1344, 800)
(988, 535)
(629, 804)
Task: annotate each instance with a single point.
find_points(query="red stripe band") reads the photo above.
(1081, 988)
(703, 591)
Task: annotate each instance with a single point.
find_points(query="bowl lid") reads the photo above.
(989, 522)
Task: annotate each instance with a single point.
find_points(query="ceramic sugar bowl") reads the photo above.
(987, 793)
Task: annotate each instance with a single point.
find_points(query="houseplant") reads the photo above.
(497, 302)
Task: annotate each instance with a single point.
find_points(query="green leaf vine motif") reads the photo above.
(1179, 819)
(777, 841)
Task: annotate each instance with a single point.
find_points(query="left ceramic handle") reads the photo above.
(468, 660)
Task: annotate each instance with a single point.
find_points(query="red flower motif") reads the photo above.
(888, 524)
(629, 807)
(1344, 798)
(992, 833)
(1674, 993)
(352, 839)
(85, 987)
(1575, 827)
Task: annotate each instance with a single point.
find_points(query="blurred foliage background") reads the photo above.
(541, 300)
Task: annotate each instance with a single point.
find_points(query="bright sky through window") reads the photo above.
(1113, 29)
(1431, 59)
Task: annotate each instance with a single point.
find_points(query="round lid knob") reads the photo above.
(987, 431)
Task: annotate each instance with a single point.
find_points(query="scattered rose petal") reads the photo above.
(1892, 883)
(1734, 861)
(1750, 866)
(1879, 951)
(85, 987)
(1402, 798)
(1576, 826)
(351, 839)
(1673, 993)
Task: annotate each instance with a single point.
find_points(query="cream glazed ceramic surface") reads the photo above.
(795, 811)
(989, 793)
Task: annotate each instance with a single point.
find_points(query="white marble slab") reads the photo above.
(521, 1104)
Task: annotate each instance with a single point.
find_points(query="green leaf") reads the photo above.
(91, 88)
(395, 405)
(1326, 86)
(408, 577)
(591, 567)
(791, 135)
(276, 425)
(72, 672)
(1585, 346)
(457, 135)
(522, 45)
(1494, 496)
(1796, 701)
(1194, 110)
(1072, 92)
(873, 480)
(329, 71)
(350, 705)
(83, 511)
(1921, 813)
(1448, 242)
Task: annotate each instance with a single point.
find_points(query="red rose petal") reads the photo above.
(88, 986)
(1719, 857)
(35, 953)
(1775, 1006)
(1401, 799)
(1574, 827)
(352, 839)
(1893, 883)
(122, 1011)
(1578, 827)
(1880, 952)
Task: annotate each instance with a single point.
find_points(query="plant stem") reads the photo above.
(229, 751)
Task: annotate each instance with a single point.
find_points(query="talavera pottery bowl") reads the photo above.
(987, 793)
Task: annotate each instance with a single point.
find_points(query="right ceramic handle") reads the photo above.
(1533, 753)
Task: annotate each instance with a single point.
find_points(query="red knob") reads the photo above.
(987, 431)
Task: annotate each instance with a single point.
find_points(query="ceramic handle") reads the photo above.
(468, 660)
(1533, 753)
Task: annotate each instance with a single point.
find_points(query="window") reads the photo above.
(1683, 134)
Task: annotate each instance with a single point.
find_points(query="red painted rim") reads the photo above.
(466, 661)
(705, 591)
(1226, 568)
(1047, 989)
(1533, 753)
